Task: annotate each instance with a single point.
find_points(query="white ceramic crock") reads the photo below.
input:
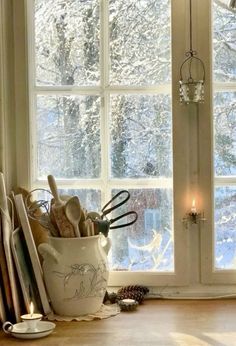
(76, 273)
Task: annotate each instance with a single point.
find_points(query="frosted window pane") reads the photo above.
(224, 43)
(139, 42)
(143, 246)
(141, 136)
(89, 199)
(225, 223)
(67, 42)
(68, 136)
(225, 133)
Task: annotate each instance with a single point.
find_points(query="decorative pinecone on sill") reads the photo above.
(136, 295)
(129, 288)
(136, 292)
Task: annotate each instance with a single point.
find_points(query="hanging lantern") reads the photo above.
(191, 89)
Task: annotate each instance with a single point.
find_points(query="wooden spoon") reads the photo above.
(73, 213)
(66, 229)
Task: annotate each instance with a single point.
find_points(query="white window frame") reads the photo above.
(207, 181)
(26, 177)
(192, 138)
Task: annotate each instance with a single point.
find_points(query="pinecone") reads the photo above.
(136, 295)
(112, 297)
(138, 288)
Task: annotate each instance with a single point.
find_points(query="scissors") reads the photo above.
(104, 225)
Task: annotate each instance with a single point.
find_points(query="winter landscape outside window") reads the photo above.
(102, 115)
(224, 75)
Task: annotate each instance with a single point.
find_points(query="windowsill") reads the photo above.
(155, 322)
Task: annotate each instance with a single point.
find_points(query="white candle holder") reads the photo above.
(128, 304)
(31, 320)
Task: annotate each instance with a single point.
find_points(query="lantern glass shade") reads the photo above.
(191, 91)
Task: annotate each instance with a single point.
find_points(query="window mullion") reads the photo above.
(224, 86)
(104, 122)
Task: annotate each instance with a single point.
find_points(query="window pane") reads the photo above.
(225, 133)
(67, 42)
(68, 136)
(139, 42)
(225, 221)
(148, 244)
(224, 38)
(141, 136)
(224, 136)
(89, 199)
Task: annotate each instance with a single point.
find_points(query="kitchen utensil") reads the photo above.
(39, 216)
(104, 225)
(53, 225)
(93, 215)
(87, 228)
(53, 187)
(73, 213)
(66, 229)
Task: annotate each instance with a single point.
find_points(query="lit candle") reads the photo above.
(32, 318)
(128, 301)
(194, 209)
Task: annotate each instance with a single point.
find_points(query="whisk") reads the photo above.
(39, 210)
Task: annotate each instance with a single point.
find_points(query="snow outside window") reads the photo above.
(102, 115)
(224, 120)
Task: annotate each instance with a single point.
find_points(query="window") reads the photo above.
(224, 75)
(101, 115)
(218, 246)
(105, 116)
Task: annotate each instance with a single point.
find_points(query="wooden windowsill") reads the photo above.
(155, 322)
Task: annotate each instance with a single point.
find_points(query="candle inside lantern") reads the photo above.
(32, 318)
(194, 209)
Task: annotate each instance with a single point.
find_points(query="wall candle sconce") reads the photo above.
(191, 90)
(193, 216)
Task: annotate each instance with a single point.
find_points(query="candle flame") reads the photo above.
(31, 309)
(193, 208)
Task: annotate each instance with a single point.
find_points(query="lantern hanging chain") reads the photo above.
(190, 27)
(191, 52)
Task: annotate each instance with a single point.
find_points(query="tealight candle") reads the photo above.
(32, 318)
(128, 301)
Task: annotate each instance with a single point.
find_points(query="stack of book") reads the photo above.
(21, 278)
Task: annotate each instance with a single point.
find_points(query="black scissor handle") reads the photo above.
(105, 212)
(121, 217)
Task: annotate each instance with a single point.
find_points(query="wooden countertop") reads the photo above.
(155, 322)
